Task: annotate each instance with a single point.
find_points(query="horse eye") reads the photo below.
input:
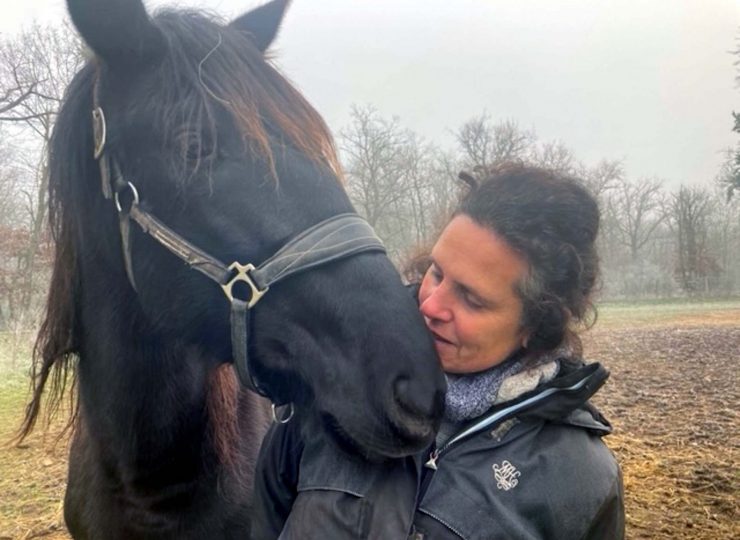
(195, 146)
(197, 150)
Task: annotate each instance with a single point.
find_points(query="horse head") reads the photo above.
(225, 152)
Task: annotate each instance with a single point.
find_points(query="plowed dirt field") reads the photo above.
(673, 398)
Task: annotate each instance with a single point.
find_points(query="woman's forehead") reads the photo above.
(477, 257)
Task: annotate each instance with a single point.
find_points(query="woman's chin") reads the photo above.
(451, 365)
(448, 357)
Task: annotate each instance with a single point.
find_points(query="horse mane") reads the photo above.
(55, 352)
(209, 66)
(214, 65)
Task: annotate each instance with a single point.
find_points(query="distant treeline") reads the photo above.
(654, 242)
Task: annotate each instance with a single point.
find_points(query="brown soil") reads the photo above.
(32, 485)
(673, 397)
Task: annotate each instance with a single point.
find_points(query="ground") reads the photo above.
(672, 397)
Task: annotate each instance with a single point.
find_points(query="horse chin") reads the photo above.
(368, 444)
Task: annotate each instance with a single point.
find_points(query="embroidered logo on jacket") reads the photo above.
(506, 475)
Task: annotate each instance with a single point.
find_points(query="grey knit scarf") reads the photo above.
(470, 395)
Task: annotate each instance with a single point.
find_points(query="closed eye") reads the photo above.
(473, 303)
(471, 299)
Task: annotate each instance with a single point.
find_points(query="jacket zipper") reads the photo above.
(499, 416)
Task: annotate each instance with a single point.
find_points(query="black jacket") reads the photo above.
(531, 468)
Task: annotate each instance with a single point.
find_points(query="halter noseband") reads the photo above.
(336, 238)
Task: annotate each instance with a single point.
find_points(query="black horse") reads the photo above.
(202, 133)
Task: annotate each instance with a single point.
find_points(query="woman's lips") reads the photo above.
(440, 339)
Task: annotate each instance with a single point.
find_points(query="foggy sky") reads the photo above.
(651, 82)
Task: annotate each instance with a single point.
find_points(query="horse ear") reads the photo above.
(118, 31)
(262, 23)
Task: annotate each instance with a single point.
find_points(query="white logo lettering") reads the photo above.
(506, 475)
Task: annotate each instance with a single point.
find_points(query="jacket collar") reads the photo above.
(562, 400)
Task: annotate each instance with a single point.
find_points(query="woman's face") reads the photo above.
(468, 297)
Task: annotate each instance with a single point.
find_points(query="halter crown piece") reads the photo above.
(336, 238)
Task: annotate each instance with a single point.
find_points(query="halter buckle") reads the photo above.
(242, 274)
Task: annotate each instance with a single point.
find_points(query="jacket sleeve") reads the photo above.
(276, 480)
(608, 524)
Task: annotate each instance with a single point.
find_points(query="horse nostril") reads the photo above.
(413, 398)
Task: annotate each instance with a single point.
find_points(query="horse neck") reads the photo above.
(143, 394)
(146, 439)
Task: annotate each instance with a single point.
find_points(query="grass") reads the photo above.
(15, 354)
(15, 351)
(668, 312)
(32, 474)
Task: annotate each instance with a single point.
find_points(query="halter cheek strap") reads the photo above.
(336, 238)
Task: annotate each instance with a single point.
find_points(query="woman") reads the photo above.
(519, 453)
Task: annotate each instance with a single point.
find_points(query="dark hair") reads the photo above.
(552, 221)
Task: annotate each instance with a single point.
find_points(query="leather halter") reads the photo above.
(333, 239)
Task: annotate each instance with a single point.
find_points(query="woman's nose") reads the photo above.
(435, 306)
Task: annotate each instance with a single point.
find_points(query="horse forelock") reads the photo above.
(211, 66)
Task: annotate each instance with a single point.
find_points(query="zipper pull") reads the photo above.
(432, 463)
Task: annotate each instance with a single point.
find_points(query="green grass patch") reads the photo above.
(14, 392)
(667, 312)
(15, 353)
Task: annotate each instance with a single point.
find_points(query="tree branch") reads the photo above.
(20, 99)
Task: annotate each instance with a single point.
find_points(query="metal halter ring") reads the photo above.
(285, 420)
(134, 193)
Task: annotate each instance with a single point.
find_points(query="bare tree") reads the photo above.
(605, 176)
(555, 155)
(484, 144)
(728, 176)
(9, 187)
(420, 176)
(447, 188)
(10, 216)
(35, 68)
(373, 150)
(383, 161)
(724, 238)
(651, 243)
(731, 177)
(400, 183)
(690, 209)
(639, 210)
